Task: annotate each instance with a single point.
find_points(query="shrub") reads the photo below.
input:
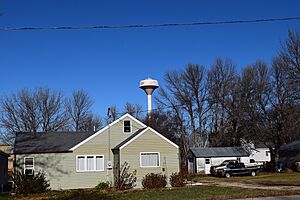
(177, 180)
(102, 186)
(125, 179)
(25, 184)
(154, 181)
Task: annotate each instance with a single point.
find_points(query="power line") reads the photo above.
(149, 25)
(156, 109)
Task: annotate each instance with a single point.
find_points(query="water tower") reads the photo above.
(149, 85)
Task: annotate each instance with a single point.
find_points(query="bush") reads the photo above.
(154, 181)
(125, 179)
(102, 186)
(25, 184)
(177, 180)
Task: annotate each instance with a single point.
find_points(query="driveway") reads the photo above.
(251, 186)
(292, 197)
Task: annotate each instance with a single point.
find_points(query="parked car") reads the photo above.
(214, 168)
(231, 169)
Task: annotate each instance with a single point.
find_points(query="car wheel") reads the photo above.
(227, 175)
(253, 173)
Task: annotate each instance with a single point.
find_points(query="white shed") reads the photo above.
(201, 159)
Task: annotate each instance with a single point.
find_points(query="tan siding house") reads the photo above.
(82, 160)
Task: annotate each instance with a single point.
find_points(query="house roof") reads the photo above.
(293, 146)
(3, 153)
(128, 139)
(219, 152)
(48, 142)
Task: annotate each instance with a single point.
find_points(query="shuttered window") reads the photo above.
(149, 159)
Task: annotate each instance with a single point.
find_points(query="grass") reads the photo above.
(4, 196)
(195, 192)
(191, 192)
(286, 178)
(201, 193)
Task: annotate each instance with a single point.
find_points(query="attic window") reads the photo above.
(127, 126)
(28, 166)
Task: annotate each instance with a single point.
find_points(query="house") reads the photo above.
(8, 150)
(260, 153)
(289, 154)
(201, 159)
(82, 160)
(3, 170)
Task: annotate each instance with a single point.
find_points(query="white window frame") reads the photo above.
(130, 126)
(209, 161)
(149, 166)
(85, 163)
(29, 167)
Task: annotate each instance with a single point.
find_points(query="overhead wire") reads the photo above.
(156, 109)
(150, 25)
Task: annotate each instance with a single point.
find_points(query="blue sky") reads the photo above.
(109, 64)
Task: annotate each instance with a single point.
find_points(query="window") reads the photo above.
(267, 153)
(80, 163)
(28, 165)
(207, 161)
(238, 159)
(86, 163)
(149, 159)
(127, 126)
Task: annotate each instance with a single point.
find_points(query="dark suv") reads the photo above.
(236, 169)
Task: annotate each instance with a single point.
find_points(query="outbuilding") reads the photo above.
(289, 154)
(201, 159)
(3, 170)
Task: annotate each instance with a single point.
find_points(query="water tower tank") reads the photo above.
(149, 85)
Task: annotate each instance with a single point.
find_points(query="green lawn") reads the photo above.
(189, 192)
(287, 178)
(195, 192)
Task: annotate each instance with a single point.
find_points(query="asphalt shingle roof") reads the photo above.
(293, 146)
(128, 139)
(48, 142)
(219, 152)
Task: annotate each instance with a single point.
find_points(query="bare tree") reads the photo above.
(134, 109)
(92, 123)
(222, 81)
(290, 54)
(194, 81)
(78, 107)
(52, 110)
(32, 111)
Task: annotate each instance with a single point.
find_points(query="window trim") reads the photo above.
(130, 126)
(24, 168)
(209, 161)
(149, 166)
(85, 163)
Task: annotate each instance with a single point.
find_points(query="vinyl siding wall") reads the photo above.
(60, 168)
(150, 142)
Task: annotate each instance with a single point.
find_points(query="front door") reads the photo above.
(207, 165)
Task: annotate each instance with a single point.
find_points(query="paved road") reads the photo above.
(293, 197)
